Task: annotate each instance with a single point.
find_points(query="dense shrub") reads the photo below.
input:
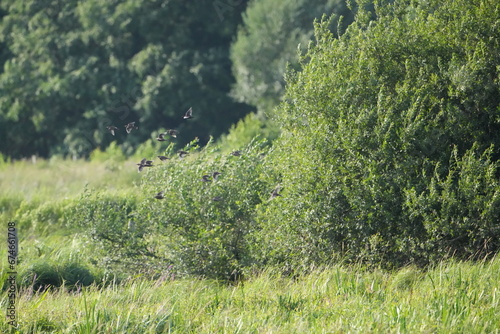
(42, 275)
(109, 222)
(199, 227)
(390, 140)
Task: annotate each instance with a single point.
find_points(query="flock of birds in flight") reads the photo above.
(173, 133)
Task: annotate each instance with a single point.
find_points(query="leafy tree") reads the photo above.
(381, 130)
(272, 33)
(75, 67)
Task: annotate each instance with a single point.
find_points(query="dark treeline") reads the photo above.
(70, 68)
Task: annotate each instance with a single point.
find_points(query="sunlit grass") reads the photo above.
(451, 298)
(46, 179)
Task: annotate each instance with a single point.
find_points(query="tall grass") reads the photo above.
(36, 194)
(450, 298)
(45, 180)
(453, 297)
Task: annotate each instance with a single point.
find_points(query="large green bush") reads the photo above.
(198, 227)
(390, 139)
(202, 227)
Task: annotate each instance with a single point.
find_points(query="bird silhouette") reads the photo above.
(144, 163)
(215, 175)
(236, 153)
(130, 126)
(163, 158)
(112, 129)
(161, 137)
(205, 178)
(189, 114)
(159, 195)
(182, 154)
(172, 133)
(275, 193)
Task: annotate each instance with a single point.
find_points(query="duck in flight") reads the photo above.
(159, 195)
(172, 133)
(275, 193)
(182, 154)
(161, 137)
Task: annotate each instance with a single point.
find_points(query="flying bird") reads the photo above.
(205, 178)
(275, 193)
(159, 195)
(112, 129)
(182, 154)
(163, 158)
(172, 133)
(215, 175)
(236, 153)
(161, 137)
(189, 114)
(144, 163)
(217, 198)
(130, 126)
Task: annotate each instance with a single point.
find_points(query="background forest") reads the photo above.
(324, 134)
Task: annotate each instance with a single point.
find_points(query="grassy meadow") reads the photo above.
(452, 297)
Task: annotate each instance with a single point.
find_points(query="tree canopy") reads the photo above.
(71, 68)
(271, 36)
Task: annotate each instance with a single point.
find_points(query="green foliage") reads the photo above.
(40, 276)
(4, 161)
(198, 227)
(44, 217)
(71, 68)
(147, 149)
(247, 129)
(109, 222)
(460, 210)
(374, 117)
(272, 34)
(112, 152)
